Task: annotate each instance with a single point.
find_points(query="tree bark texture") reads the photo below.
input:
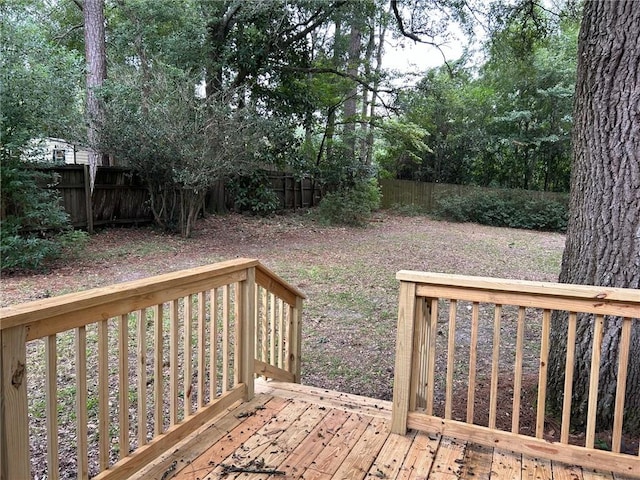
(96, 59)
(603, 236)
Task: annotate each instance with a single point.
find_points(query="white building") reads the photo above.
(57, 150)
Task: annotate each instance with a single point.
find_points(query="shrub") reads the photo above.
(34, 227)
(352, 206)
(512, 210)
(252, 193)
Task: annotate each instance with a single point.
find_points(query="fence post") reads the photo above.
(14, 416)
(87, 198)
(245, 323)
(404, 356)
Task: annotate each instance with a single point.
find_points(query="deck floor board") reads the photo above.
(290, 431)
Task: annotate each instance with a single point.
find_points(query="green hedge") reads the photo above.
(504, 211)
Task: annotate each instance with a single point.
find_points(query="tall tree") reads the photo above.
(96, 58)
(603, 237)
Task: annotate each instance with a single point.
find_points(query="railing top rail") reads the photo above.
(32, 312)
(546, 289)
(271, 281)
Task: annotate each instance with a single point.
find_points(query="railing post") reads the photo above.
(246, 330)
(14, 419)
(404, 356)
(295, 339)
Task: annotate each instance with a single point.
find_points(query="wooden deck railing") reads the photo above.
(122, 373)
(460, 335)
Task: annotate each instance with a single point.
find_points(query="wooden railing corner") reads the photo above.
(404, 357)
(246, 333)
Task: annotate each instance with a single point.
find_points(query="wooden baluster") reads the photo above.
(542, 374)
(187, 355)
(431, 358)
(287, 335)
(471, 386)
(265, 324)
(202, 317)
(81, 403)
(142, 377)
(237, 336)
(451, 351)
(419, 361)
(272, 331)
(51, 386)
(123, 385)
(257, 322)
(158, 374)
(280, 332)
(594, 376)
(517, 374)
(174, 315)
(568, 377)
(495, 366)
(103, 394)
(621, 386)
(213, 347)
(226, 307)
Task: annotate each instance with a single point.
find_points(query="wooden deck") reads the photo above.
(293, 431)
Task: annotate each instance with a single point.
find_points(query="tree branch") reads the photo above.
(59, 37)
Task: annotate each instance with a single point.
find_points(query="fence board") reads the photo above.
(426, 195)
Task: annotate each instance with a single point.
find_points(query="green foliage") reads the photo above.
(40, 82)
(352, 206)
(34, 228)
(504, 124)
(405, 147)
(252, 194)
(509, 210)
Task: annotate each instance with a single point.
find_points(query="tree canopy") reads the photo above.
(202, 91)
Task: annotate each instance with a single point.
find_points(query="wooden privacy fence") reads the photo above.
(114, 376)
(439, 356)
(121, 197)
(425, 195)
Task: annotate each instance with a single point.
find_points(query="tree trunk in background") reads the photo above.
(364, 108)
(96, 59)
(350, 105)
(221, 19)
(374, 91)
(331, 112)
(603, 237)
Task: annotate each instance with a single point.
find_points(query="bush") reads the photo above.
(504, 211)
(352, 206)
(34, 227)
(252, 194)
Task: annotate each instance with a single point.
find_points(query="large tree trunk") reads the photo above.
(603, 236)
(96, 58)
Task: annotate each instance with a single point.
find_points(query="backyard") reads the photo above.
(348, 275)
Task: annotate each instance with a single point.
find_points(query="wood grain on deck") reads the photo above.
(289, 431)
